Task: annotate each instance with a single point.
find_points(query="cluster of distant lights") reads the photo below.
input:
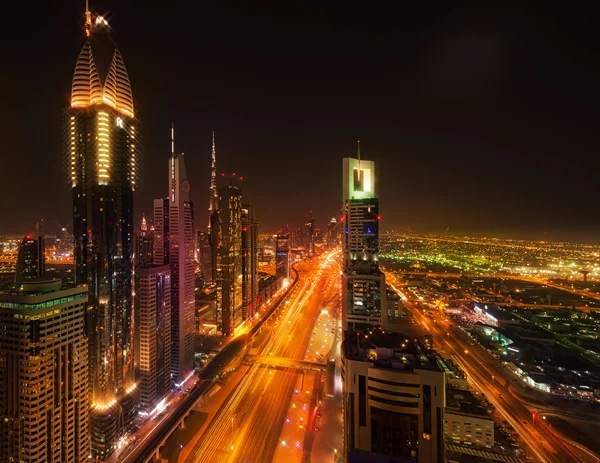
(564, 260)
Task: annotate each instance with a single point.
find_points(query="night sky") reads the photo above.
(481, 120)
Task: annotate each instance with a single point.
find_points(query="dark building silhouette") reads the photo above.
(31, 261)
(249, 261)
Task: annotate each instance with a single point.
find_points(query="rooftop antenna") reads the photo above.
(358, 143)
(88, 19)
(172, 139)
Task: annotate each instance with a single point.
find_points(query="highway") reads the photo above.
(142, 445)
(483, 373)
(249, 424)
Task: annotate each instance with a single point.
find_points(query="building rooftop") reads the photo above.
(385, 349)
(465, 403)
(41, 293)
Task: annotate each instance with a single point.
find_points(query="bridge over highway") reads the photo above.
(285, 362)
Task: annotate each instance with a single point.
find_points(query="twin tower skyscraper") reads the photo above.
(104, 159)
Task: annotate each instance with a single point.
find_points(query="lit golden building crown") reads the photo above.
(88, 90)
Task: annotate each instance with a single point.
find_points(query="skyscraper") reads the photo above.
(181, 260)
(213, 196)
(282, 256)
(144, 244)
(103, 155)
(393, 412)
(213, 213)
(249, 261)
(153, 340)
(363, 284)
(161, 231)
(44, 396)
(31, 261)
(229, 256)
(204, 252)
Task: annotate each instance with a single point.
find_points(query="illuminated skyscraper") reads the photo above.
(144, 244)
(213, 197)
(213, 214)
(282, 256)
(103, 157)
(44, 395)
(161, 231)
(249, 261)
(204, 252)
(181, 260)
(31, 262)
(363, 284)
(396, 413)
(153, 339)
(229, 257)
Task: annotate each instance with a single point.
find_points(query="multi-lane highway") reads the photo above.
(484, 374)
(249, 424)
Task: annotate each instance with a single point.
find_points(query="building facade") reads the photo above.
(181, 260)
(144, 244)
(153, 340)
(363, 284)
(102, 149)
(204, 252)
(394, 399)
(44, 398)
(282, 256)
(229, 257)
(161, 232)
(31, 261)
(249, 261)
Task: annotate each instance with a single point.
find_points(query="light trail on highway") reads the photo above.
(481, 374)
(249, 422)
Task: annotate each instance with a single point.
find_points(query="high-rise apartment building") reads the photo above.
(102, 149)
(31, 261)
(282, 256)
(229, 256)
(153, 340)
(144, 244)
(44, 395)
(249, 261)
(181, 260)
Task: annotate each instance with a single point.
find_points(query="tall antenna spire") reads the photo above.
(172, 139)
(358, 143)
(213, 197)
(88, 19)
(213, 167)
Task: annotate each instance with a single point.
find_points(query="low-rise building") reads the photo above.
(466, 422)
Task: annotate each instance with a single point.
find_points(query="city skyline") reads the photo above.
(170, 327)
(281, 110)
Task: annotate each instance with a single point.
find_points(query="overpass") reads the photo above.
(148, 447)
(285, 362)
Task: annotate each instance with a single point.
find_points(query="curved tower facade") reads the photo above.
(103, 156)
